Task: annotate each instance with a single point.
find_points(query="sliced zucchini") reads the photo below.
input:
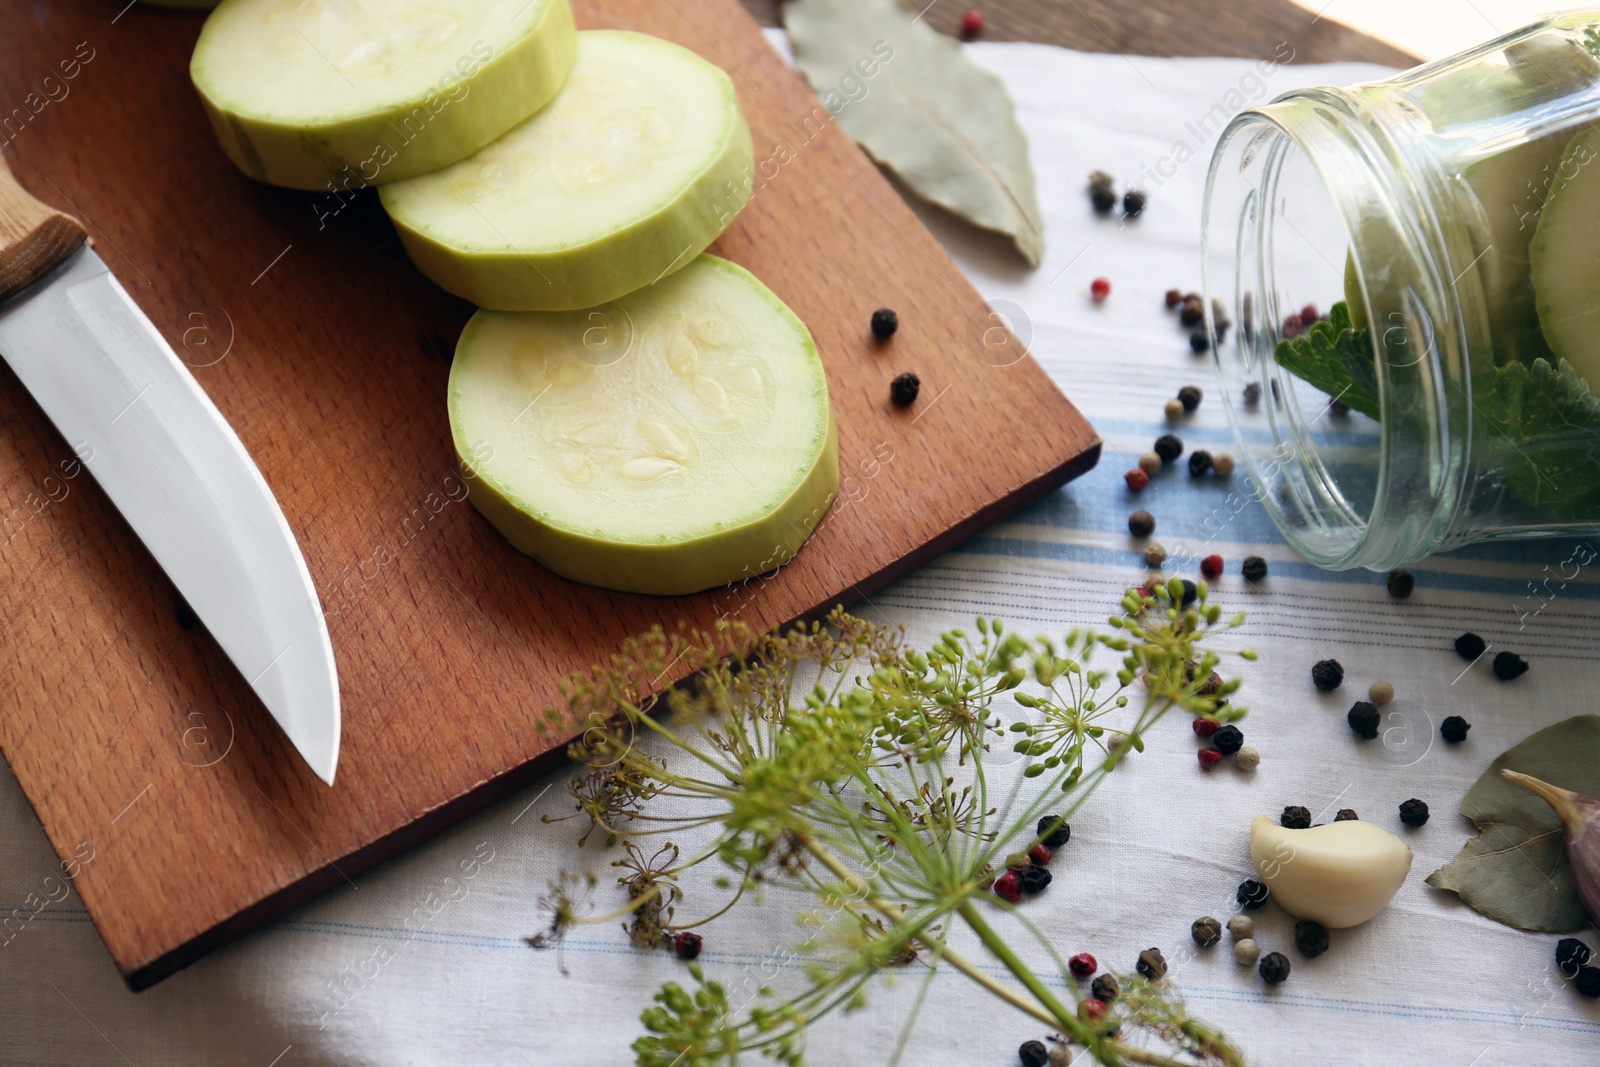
(676, 440)
(638, 164)
(1565, 256)
(340, 94)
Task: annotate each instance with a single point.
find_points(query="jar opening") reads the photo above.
(1323, 254)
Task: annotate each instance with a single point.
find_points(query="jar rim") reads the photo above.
(1378, 186)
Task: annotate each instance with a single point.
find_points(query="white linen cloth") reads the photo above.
(409, 968)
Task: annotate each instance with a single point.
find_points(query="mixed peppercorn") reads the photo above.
(1572, 961)
(904, 389)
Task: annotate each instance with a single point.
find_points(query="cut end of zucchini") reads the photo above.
(676, 440)
(1565, 258)
(305, 93)
(642, 159)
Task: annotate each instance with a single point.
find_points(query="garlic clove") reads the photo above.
(1580, 827)
(1339, 874)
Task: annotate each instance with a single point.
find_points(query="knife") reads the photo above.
(171, 464)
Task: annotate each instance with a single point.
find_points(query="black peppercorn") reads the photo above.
(1347, 815)
(1199, 462)
(1192, 311)
(1141, 524)
(1252, 393)
(1587, 982)
(1105, 988)
(1339, 407)
(884, 323)
(1212, 685)
(1133, 203)
(1152, 964)
(1103, 197)
(1414, 812)
(1053, 831)
(1034, 878)
(1169, 447)
(1454, 729)
(1509, 665)
(1199, 339)
(1206, 932)
(1191, 593)
(1274, 968)
(1033, 1054)
(1189, 396)
(1571, 954)
(1251, 894)
(1364, 718)
(903, 390)
(1327, 675)
(1311, 938)
(1400, 584)
(1295, 817)
(1255, 568)
(1228, 739)
(686, 946)
(1470, 646)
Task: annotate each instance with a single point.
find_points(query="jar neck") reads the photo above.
(1346, 492)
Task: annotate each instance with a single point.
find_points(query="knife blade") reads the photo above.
(171, 464)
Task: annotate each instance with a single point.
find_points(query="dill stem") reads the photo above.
(933, 944)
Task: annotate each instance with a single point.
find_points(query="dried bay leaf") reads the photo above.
(1516, 871)
(944, 126)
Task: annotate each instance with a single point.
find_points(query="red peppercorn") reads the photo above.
(1008, 886)
(1040, 854)
(1211, 567)
(1204, 727)
(1137, 479)
(1209, 758)
(1308, 314)
(1100, 288)
(1083, 965)
(1291, 325)
(971, 24)
(1091, 1008)
(687, 946)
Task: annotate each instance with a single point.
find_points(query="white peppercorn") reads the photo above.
(1247, 758)
(1149, 462)
(1155, 554)
(1246, 952)
(1173, 410)
(1222, 464)
(1241, 927)
(1380, 692)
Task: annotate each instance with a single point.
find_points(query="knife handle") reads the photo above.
(34, 236)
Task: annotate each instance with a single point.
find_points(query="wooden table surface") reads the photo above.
(1249, 28)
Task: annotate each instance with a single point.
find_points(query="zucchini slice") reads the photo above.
(1565, 256)
(676, 440)
(341, 94)
(637, 165)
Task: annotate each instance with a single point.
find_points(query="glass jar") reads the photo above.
(1406, 319)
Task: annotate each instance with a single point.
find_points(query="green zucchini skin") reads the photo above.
(422, 133)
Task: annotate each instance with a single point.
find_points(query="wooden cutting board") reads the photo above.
(182, 812)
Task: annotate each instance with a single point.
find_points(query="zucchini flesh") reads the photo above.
(340, 94)
(1565, 255)
(639, 163)
(678, 439)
